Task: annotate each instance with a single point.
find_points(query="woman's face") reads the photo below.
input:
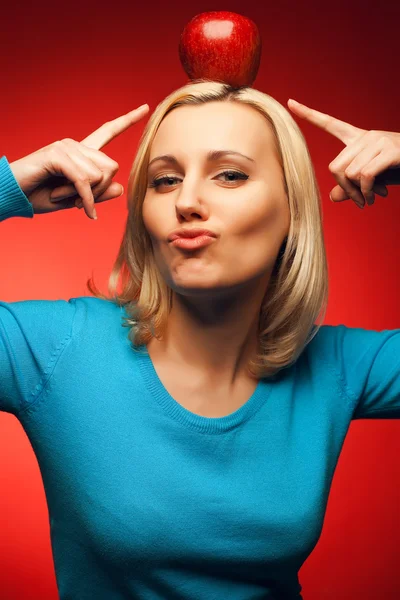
(248, 209)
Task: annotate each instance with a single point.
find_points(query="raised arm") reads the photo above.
(34, 333)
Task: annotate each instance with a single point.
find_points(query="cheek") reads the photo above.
(255, 233)
(265, 214)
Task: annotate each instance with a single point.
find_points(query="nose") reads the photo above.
(190, 198)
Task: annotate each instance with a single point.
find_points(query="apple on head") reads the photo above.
(221, 46)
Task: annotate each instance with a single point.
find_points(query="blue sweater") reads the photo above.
(150, 501)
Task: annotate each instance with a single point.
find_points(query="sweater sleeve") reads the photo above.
(367, 363)
(33, 336)
(13, 202)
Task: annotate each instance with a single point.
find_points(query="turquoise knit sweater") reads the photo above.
(150, 501)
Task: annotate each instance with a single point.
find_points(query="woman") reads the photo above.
(199, 465)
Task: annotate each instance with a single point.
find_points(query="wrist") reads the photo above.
(25, 174)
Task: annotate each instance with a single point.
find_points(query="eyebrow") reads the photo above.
(211, 156)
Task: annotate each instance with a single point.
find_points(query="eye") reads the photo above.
(155, 183)
(160, 180)
(239, 174)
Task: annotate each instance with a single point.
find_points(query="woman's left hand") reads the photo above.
(367, 155)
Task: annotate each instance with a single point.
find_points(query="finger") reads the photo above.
(377, 165)
(355, 172)
(380, 189)
(340, 129)
(107, 132)
(115, 190)
(61, 162)
(368, 164)
(68, 191)
(95, 174)
(107, 166)
(348, 154)
(65, 192)
(338, 194)
(351, 190)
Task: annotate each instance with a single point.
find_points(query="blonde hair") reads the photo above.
(297, 291)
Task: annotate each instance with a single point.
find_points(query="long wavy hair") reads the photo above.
(297, 292)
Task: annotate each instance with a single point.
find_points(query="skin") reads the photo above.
(367, 155)
(218, 289)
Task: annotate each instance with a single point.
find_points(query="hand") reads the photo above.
(364, 163)
(85, 173)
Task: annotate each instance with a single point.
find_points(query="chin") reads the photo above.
(201, 287)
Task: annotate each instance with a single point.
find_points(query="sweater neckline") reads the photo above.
(192, 420)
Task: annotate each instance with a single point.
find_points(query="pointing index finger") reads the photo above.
(108, 131)
(340, 129)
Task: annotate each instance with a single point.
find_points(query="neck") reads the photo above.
(215, 337)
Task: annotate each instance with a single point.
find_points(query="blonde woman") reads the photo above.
(191, 457)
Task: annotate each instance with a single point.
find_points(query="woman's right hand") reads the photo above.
(68, 173)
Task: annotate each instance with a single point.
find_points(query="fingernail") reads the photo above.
(94, 214)
(121, 192)
(331, 199)
(143, 106)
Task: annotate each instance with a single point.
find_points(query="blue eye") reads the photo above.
(157, 182)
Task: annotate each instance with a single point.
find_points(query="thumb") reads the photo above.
(114, 190)
(338, 194)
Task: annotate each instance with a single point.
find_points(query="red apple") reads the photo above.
(221, 46)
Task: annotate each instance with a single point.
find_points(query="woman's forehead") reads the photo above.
(213, 125)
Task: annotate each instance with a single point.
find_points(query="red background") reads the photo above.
(66, 70)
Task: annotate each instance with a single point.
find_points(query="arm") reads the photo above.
(13, 202)
(33, 333)
(367, 364)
